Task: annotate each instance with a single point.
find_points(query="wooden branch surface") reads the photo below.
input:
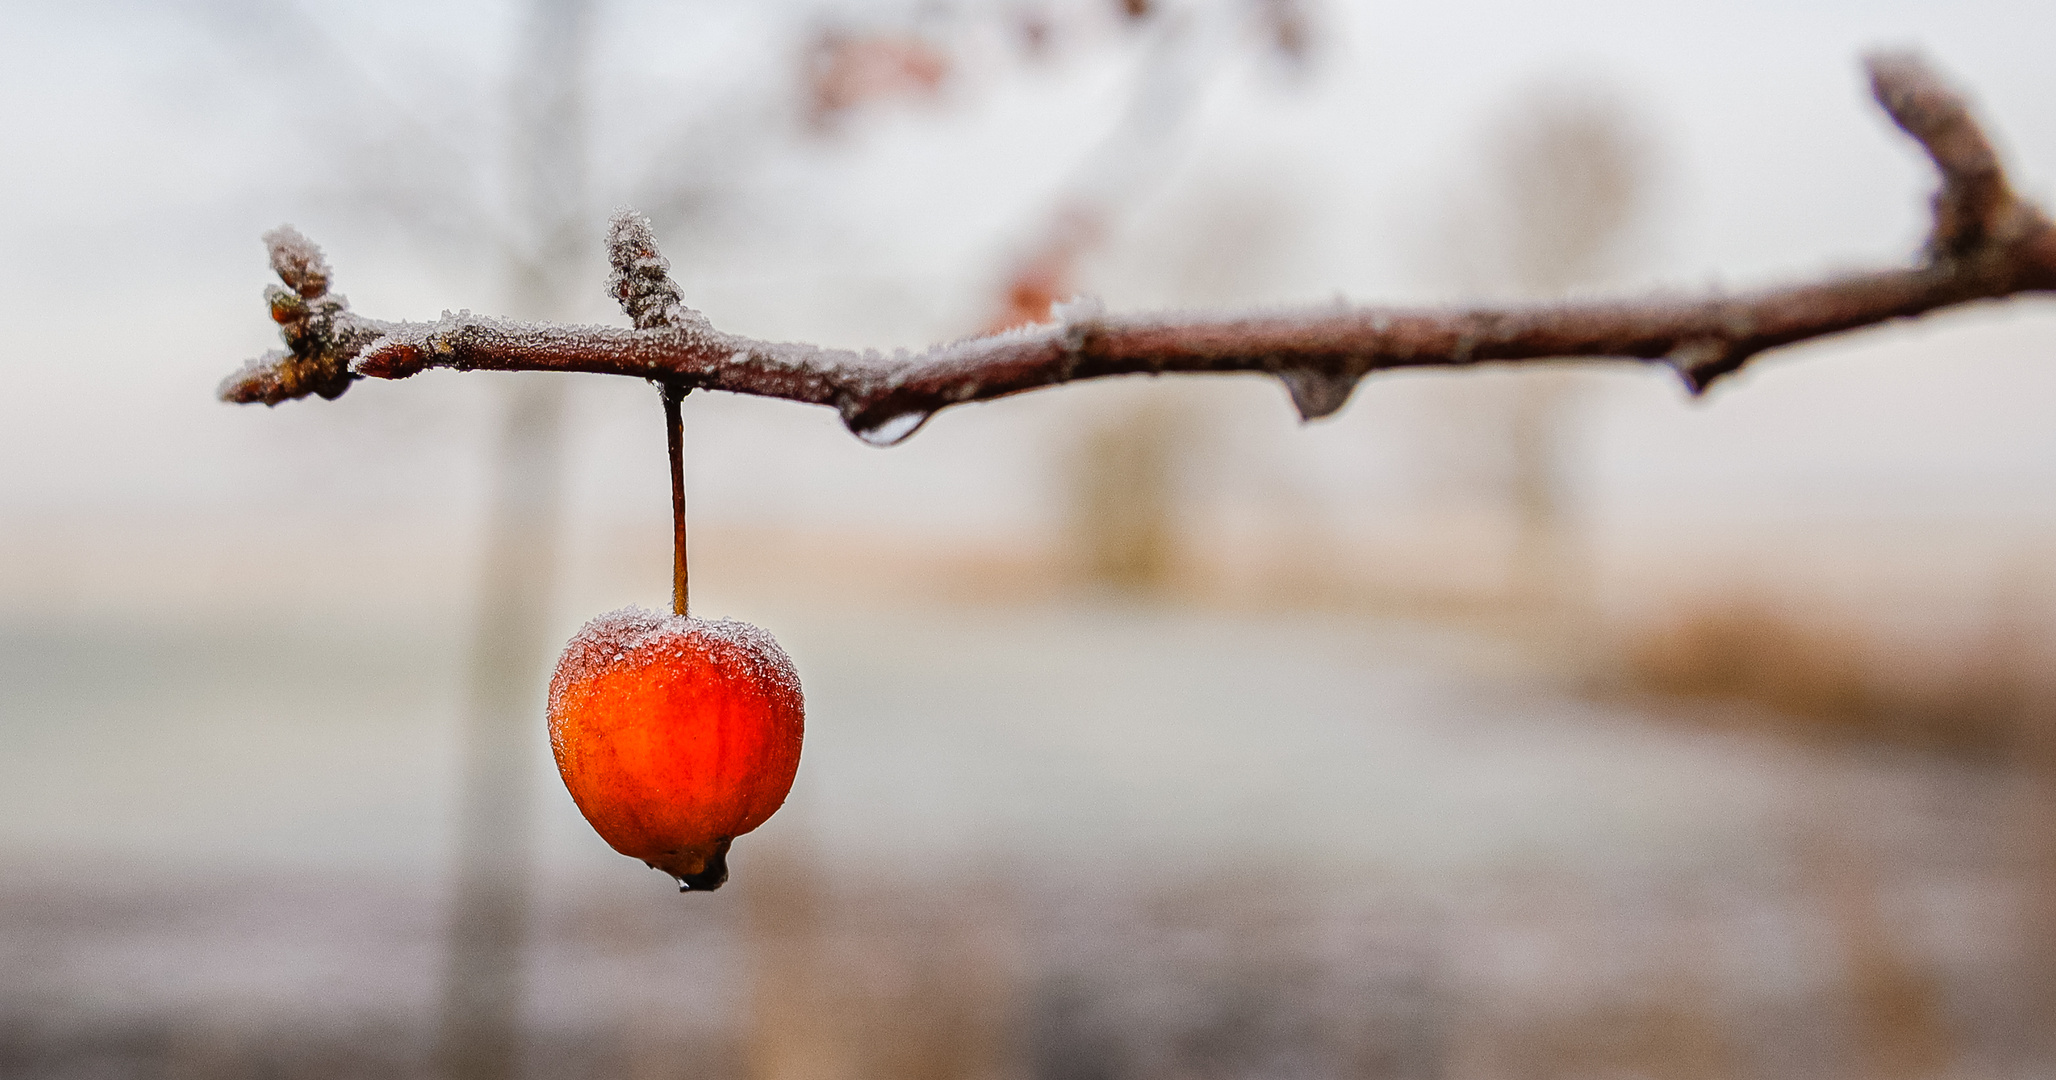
(1986, 243)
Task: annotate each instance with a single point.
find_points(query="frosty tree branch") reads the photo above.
(1986, 243)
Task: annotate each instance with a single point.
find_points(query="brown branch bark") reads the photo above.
(1986, 243)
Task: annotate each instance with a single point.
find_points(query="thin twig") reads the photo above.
(1986, 243)
(674, 444)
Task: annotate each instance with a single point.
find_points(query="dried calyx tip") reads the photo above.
(712, 875)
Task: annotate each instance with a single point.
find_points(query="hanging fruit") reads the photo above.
(675, 735)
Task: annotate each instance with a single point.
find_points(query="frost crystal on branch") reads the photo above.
(317, 327)
(298, 262)
(641, 279)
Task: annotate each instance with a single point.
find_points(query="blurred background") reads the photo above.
(1536, 723)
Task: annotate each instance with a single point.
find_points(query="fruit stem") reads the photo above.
(674, 438)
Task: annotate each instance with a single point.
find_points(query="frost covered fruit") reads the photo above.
(675, 736)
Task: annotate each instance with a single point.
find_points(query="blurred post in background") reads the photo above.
(546, 267)
(1564, 191)
(1573, 169)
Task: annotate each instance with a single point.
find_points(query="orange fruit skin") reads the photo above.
(675, 735)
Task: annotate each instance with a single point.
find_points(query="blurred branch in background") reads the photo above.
(482, 991)
(845, 71)
(1183, 51)
(1569, 172)
(1120, 475)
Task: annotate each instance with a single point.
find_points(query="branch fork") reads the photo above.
(1986, 243)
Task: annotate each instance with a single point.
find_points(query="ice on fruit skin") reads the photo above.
(608, 639)
(675, 735)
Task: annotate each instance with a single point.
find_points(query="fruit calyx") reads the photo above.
(713, 874)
